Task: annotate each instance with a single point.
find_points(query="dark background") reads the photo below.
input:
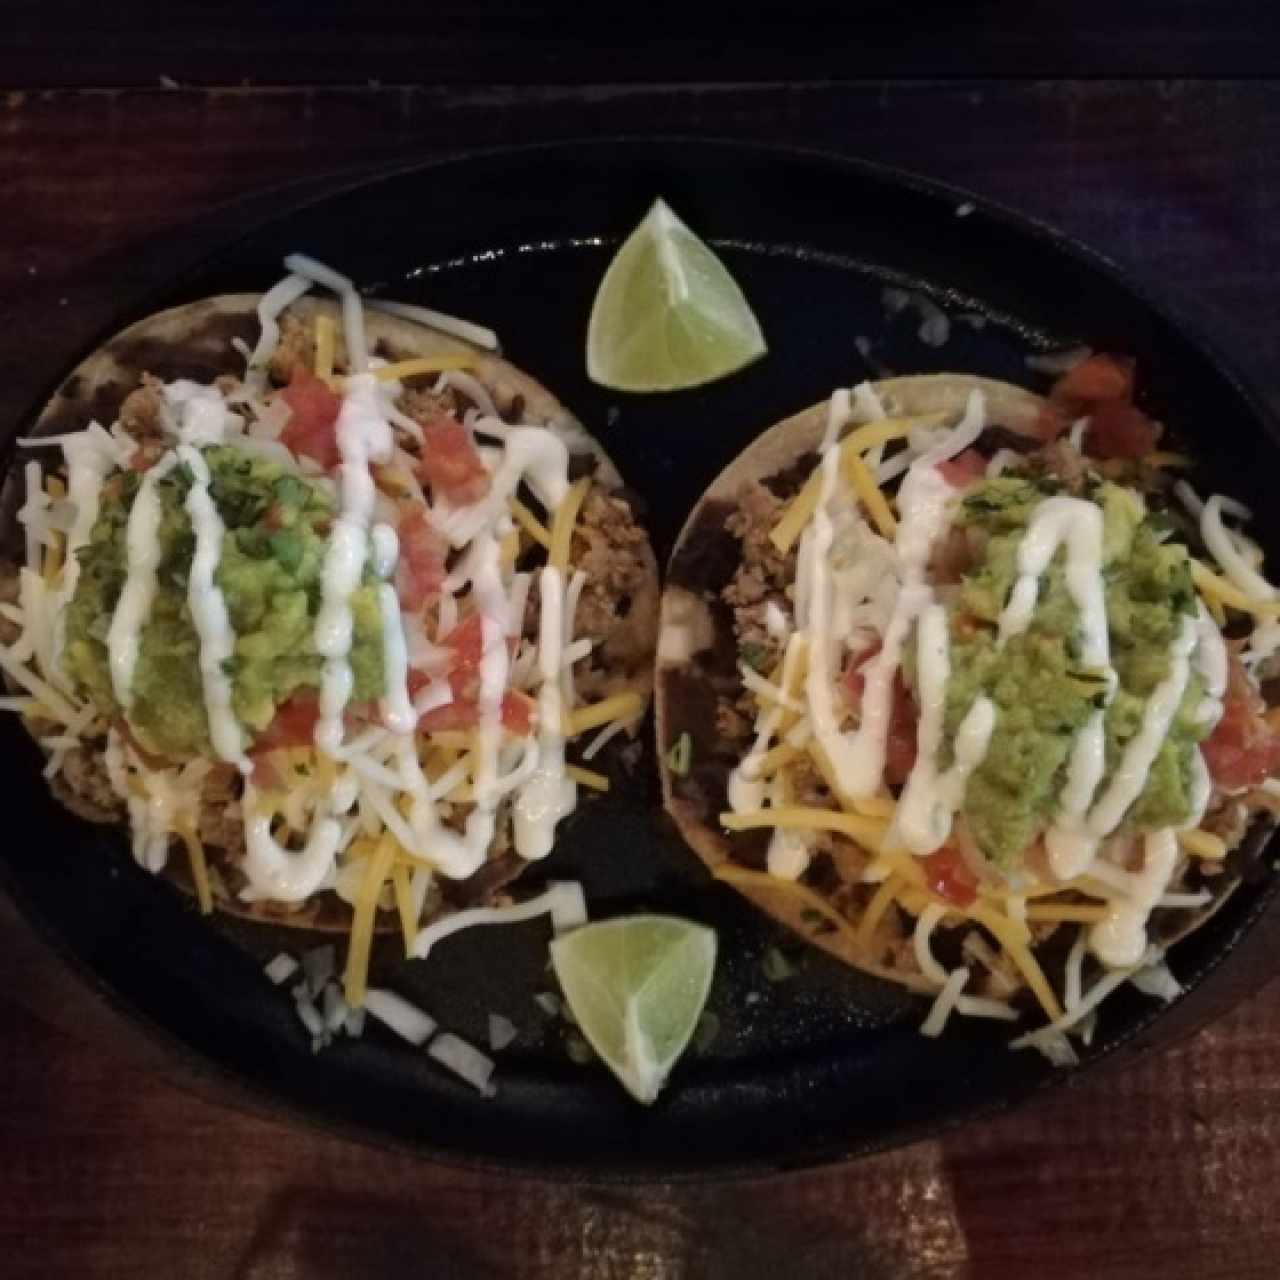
(1150, 130)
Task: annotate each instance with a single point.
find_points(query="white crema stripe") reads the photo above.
(364, 436)
(209, 613)
(923, 504)
(548, 795)
(1077, 525)
(930, 798)
(142, 543)
(88, 464)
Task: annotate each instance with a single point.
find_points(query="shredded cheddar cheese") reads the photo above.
(858, 441)
(868, 832)
(529, 523)
(199, 868)
(1013, 938)
(404, 899)
(356, 979)
(1202, 844)
(876, 908)
(1213, 587)
(864, 485)
(587, 777)
(622, 706)
(1079, 912)
(325, 344)
(414, 368)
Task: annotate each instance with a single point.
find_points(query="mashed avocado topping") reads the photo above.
(1042, 692)
(270, 576)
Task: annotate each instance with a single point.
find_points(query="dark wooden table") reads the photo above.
(1168, 1169)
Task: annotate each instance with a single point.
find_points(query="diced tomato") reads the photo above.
(311, 429)
(1050, 423)
(900, 748)
(146, 455)
(900, 743)
(517, 715)
(466, 645)
(451, 466)
(1120, 431)
(962, 470)
(421, 568)
(947, 875)
(1100, 379)
(294, 724)
(1243, 749)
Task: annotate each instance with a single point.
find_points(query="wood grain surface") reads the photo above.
(1166, 1170)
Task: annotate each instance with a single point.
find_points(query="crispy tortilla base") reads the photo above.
(687, 683)
(195, 341)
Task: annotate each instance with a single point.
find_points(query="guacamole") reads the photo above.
(1042, 692)
(269, 573)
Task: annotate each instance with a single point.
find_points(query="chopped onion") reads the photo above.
(405, 1019)
(319, 964)
(548, 1002)
(281, 968)
(335, 1008)
(502, 1031)
(935, 328)
(464, 1060)
(308, 1013)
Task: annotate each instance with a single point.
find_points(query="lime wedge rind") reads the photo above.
(637, 986)
(664, 282)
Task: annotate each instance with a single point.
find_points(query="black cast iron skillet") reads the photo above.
(823, 1064)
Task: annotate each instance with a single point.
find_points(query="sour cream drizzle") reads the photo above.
(209, 613)
(548, 795)
(930, 798)
(1077, 525)
(924, 508)
(89, 463)
(142, 545)
(364, 436)
(276, 872)
(1073, 848)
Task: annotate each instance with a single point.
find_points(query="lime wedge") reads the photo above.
(668, 315)
(636, 986)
